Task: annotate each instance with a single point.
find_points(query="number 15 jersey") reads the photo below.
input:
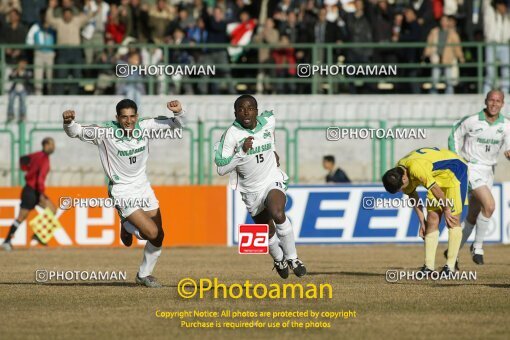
(249, 171)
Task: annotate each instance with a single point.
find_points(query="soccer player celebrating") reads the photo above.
(124, 155)
(479, 138)
(247, 151)
(37, 166)
(444, 175)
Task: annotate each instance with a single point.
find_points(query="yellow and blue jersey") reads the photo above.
(431, 165)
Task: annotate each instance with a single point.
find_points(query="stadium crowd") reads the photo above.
(82, 25)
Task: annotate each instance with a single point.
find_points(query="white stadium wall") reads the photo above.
(75, 163)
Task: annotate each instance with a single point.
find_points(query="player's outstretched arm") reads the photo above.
(228, 155)
(178, 121)
(75, 130)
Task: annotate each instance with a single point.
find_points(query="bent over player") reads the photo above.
(444, 175)
(124, 157)
(478, 138)
(246, 151)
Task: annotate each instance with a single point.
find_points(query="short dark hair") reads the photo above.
(46, 140)
(392, 180)
(243, 97)
(329, 158)
(126, 104)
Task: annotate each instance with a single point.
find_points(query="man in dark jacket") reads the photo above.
(334, 175)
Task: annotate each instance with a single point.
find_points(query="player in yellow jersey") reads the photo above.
(445, 176)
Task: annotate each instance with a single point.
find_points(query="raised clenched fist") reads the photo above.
(174, 106)
(68, 116)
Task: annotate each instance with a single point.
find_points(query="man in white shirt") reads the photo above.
(247, 152)
(479, 138)
(124, 153)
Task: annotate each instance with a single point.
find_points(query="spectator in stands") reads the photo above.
(195, 9)
(160, 16)
(180, 56)
(6, 6)
(31, 10)
(42, 37)
(497, 36)
(183, 21)
(21, 79)
(68, 33)
(197, 33)
(58, 12)
(267, 35)
(335, 175)
(284, 56)
(94, 32)
(381, 17)
(289, 27)
(15, 32)
(440, 50)
(136, 18)
(360, 31)
(411, 31)
(424, 15)
(472, 20)
(132, 86)
(216, 27)
(106, 77)
(115, 30)
(324, 32)
(287, 6)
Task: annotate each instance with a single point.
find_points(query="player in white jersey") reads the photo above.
(247, 151)
(123, 150)
(479, 138)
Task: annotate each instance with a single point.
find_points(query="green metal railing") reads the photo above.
(202, 141)
(245, 73)
(413, 126)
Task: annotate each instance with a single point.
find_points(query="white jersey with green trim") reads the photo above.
(478, 141)
(254, 170)
(124, 160)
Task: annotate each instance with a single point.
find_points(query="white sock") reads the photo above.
(286, 235)
(467, 229)
(275, 250)
(130, 228)
(482, 225)
(150, 257)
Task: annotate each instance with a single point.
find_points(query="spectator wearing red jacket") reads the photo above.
(37, 166)
(285, 58)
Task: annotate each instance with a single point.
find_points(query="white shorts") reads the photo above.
(134, 197)
(480, 175)
(256, 201)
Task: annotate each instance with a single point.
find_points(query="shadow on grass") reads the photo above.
(345, 273)
(81, 284)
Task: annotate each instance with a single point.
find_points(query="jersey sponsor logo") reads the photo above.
(487, 141)
(324, 214)
(130, 152)
(267, 134)
(260, 148)
(253, 239)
